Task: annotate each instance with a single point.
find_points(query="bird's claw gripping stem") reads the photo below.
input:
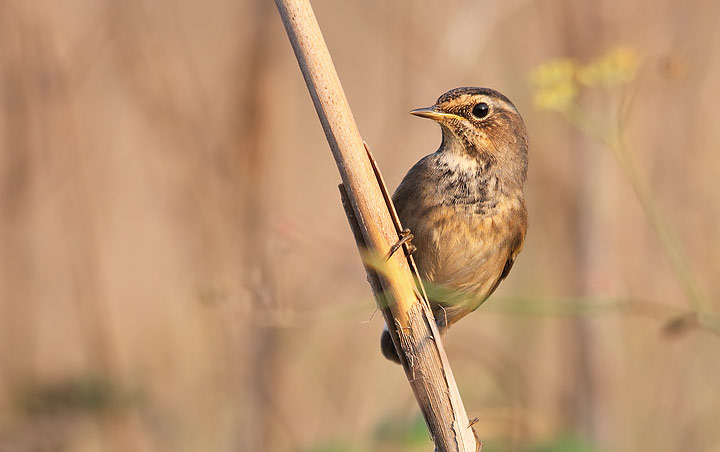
(405, 239)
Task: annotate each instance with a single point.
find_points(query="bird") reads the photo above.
(464, 204)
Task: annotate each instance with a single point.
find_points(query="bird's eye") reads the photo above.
(481, 110)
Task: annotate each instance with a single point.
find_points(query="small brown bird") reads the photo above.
(464, 204)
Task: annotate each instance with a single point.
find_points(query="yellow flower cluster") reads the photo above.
(557, 82)
(617, 67)
(555, 87)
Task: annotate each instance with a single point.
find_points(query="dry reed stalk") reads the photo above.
(370, 214)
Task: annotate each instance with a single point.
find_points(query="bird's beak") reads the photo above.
(431, 113)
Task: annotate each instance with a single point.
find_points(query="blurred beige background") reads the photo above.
(177, 274)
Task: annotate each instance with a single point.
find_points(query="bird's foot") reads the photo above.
(405, 239)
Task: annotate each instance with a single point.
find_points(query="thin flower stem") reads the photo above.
(668, 240)
(660, 225)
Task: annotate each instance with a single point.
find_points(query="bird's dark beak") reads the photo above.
(433, 113)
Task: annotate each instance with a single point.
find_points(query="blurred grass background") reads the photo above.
(177, 274)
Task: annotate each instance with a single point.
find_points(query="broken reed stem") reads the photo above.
(411, 323)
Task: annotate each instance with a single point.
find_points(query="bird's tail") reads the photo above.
(444, 317)
(388, 347)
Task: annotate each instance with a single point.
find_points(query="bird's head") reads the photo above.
(483, 124)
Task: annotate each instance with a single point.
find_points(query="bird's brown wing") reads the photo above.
(514, 250)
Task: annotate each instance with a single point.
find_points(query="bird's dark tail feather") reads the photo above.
(388, 347)
(443, 317)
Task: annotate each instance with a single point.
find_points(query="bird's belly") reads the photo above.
(459, 250)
